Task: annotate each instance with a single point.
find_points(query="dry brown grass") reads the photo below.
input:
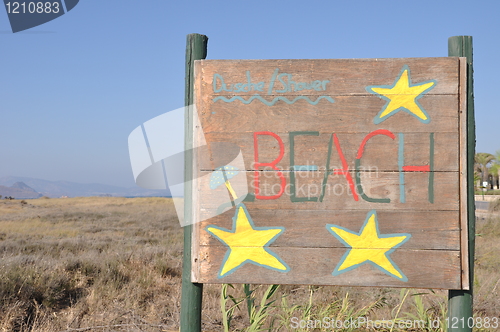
(87, 262)
(114, 264)
(487, 267)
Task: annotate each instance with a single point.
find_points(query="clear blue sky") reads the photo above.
(73, 89)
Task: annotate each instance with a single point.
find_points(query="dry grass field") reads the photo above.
(114, 264)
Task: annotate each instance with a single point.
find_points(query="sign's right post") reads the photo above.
(460, 301)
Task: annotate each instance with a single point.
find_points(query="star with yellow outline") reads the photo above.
(247, 244)
(368, 246)
(402, 95)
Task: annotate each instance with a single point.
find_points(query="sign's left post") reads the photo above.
(191, 301)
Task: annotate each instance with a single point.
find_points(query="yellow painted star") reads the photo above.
(402, 95)
(368, 246)
(247, 243)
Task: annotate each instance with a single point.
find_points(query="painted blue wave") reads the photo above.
(274, 101)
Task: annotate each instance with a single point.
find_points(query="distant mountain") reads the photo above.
(72, 189)
(19, 190)
(23, 186)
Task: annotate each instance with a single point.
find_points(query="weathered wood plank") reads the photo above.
(314, 266)
(346, 114)
(337, 194)
(345, 76)
(381, 153)
(464, 222)
(306, 228)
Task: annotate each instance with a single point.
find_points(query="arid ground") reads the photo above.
(114, 264)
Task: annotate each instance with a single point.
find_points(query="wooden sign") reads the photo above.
(331, 172)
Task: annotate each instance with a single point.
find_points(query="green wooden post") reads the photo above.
(191, 300)
(460, 301)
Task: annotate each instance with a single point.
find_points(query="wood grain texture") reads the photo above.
(338, 196)
(347, 76)
(464, 222)
(346, 114)
(428, 205)
(380, 152)
(442, 232)
(314, 266)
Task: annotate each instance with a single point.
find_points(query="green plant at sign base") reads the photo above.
(340, 310)
(288, 312)
(346, 311)
(402, 298)
(424, 314)
(257, 313)
(227, 313)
